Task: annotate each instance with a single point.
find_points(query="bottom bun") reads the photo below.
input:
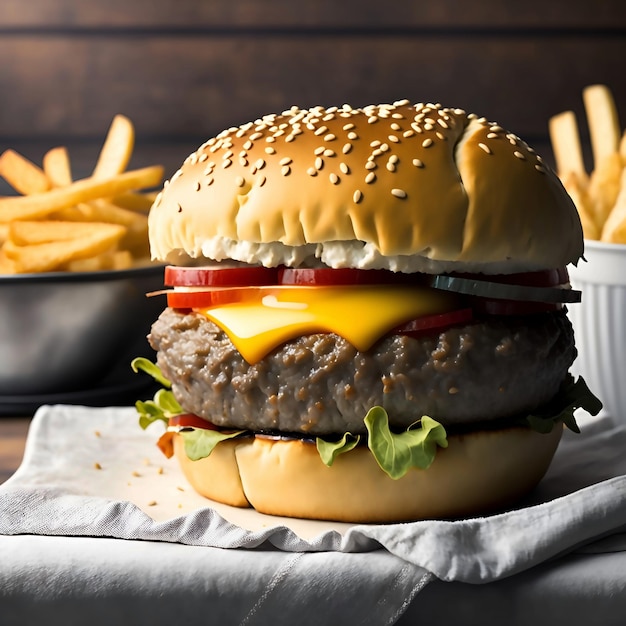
(477, 473)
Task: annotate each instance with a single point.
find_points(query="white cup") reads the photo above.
(600, 323)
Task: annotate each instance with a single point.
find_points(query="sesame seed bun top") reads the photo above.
(406, 187)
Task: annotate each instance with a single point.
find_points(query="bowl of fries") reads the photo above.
(75, 270)
(600, 197)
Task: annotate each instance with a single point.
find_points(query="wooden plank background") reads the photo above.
(183, 70)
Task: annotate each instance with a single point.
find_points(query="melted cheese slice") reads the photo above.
(359, 314)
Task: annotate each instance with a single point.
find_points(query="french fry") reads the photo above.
(580, 197)
(110, 260)
(56, 166)
(604, 186)
(23, 233)
(622, 148)
(41, 204)
(566, 145)
(45, 257)
(138, 202)
(116, 150)
(7, 266)
(604, 127)
(22, 174)
(136, 237)
(614, 230)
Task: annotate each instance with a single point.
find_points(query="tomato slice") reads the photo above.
(220, 277)
(344, 276)
(191, 420)
(211, 297)
(431, 322)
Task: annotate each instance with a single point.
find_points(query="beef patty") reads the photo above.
(319, 384)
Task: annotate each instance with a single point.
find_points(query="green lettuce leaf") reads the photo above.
(200, 442)
(330, 450)
(396, 453)
(164, 405)
(572, 395)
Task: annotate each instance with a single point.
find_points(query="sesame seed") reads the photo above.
(377, 152)
(349, 126)
(179, 208)
(330, 153)
(198, 186)
(285, 161)
(427, 142)
(255, 136)
(484, 147)
(203, 157)
(334, 179)
(344, 168)
(441, 136)
(370, 178)
(418, 163)
(321, 130)
(240, 181)
(371, 165)
(209, 182)
(319, 163)
(391, 167)
(540, 168)
(346, 148)
(243, 161)
(398, 193)
(260, 164)
(311, 171)
(357, 196)
(270, 139)
(519, 155)
(393, 158)
(442, 123)
(352, 135)
(375, 144)
(395, 126)
(319, 150)
(492, 135)
(270, 150)
(291, 137)
(227, 163)
(408, 133)
(329, 137)
(394, 139)
(248, 145)
(262, 180)
(372, 119)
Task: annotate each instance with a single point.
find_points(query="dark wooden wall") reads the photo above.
(185, 69)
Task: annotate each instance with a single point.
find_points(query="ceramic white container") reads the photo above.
(600, 323)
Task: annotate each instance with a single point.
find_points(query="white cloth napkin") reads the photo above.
(93, 472)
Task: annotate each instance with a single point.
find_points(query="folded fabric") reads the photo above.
(93, 472)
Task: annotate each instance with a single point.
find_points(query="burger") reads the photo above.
(366, 315)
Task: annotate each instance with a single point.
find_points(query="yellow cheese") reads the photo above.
(359, 314)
